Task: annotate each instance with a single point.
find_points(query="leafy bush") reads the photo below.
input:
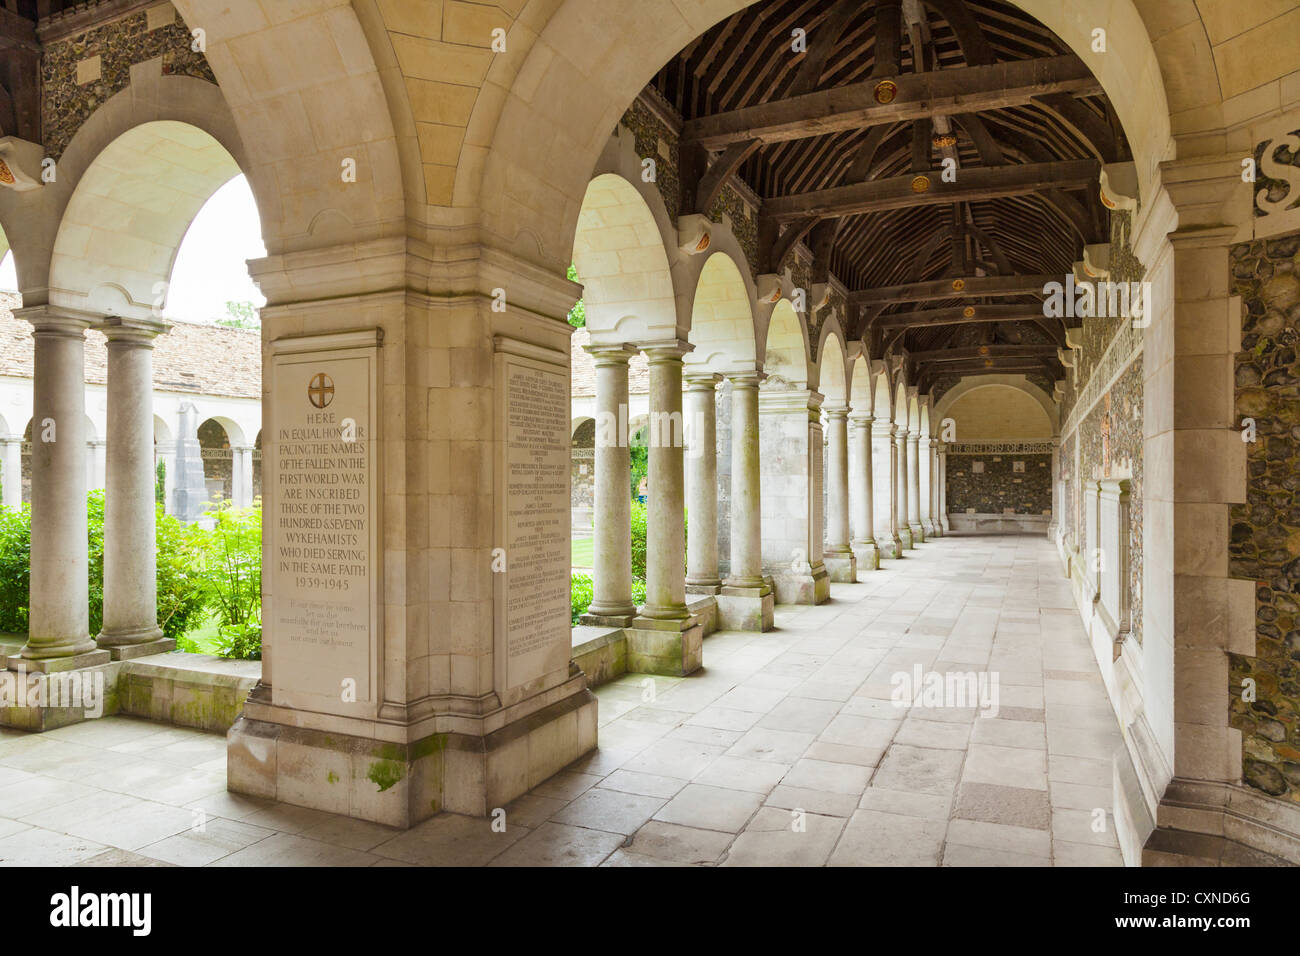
(15, 568)
(242, 641)
(182, 601)
(95, 554)
(638, 542)
(580, 592)
(232, 565)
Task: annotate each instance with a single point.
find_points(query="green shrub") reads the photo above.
(182, 601)
(232, 565)
(242, 641)
(580, 593)
(638, 541)
(15, 568)
(95, 556)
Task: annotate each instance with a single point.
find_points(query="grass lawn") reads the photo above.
(583, 552)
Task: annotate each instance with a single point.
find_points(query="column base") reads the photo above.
(671, 648)
(842, 568)
(918, 532)
(607, 620)
(810, 588)
(945, 525)
(746, 608)
(705, 588)
(128, 652)
(399, 784)
(54, 665)
(936, 530)
(1210, 823)
(905, 541)
(868, 555)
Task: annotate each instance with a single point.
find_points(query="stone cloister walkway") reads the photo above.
(709, 770)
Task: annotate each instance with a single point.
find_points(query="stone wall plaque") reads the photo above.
(532, 632)
(322, 500)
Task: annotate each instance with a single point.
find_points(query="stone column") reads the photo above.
(793, 536)
(933, 526)
(611, 603)
(943, 488)
(924, 474)
(11, 471)
(1053, 528)
(665, 638)
(702, 484)
(130, 562)
(241, 475)
(861, 497)
(901, 495)
(58, 631)
(838, 554)
(884, 474)
(746, 602)
(914, 515)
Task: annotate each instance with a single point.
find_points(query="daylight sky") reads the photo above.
(210, 267)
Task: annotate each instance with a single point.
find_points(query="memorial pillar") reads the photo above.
(702, 484)
(914, 513)
(665, 638)
(884, 506)
(58, 630)
(11, 471)
(130, 545)
(611, 604)
(900, 488)
(862, 496)
(838, 556)
(241, 474)
(746, 601)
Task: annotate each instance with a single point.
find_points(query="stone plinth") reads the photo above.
(673, 648)
(746, 609)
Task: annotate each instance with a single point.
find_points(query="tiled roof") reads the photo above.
(584, 368)
(198, 359)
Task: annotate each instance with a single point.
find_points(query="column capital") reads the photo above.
(56, 320)
(668, 350)
(139, 332)
(835, 411)
(861, 418)
(611, 354)
(701, 381)
(882, 427)
(748, 378)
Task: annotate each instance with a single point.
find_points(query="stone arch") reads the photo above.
(861, 390)
(180, 100)
(882, 393)
(304, 84)
(785, 348)
(900, 404)
(832, 366)
(1018, 382)
(722, 317)
(218, 436)
(577, 423)
(114, 257)
(623, 267)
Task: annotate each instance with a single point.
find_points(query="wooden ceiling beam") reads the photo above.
(944, 289)
(898, 192)
(973, 352)
(960, 315)
(963, 90)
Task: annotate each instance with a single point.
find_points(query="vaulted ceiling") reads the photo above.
(996, 91)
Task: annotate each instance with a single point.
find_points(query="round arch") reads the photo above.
(1018, 382)
(622, 265)
(722, 317)
(861, 392)
(785, 348)
(832, 365)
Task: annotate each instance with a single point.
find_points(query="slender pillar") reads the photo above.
(612, 578)
(665, 638)
(861, 497)
(58, 630)
(914, 515)
(883, 501)
(943, 488)
(932, 525)
(746, 602)
(838, 554)
(130, 561)
(702, 484)
(924, 476)
(901, 495)
(1052, 528)
(746, 504)
(11, 471)
(241, 485)
(665, 562)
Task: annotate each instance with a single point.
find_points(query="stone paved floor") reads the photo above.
(709, 769)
